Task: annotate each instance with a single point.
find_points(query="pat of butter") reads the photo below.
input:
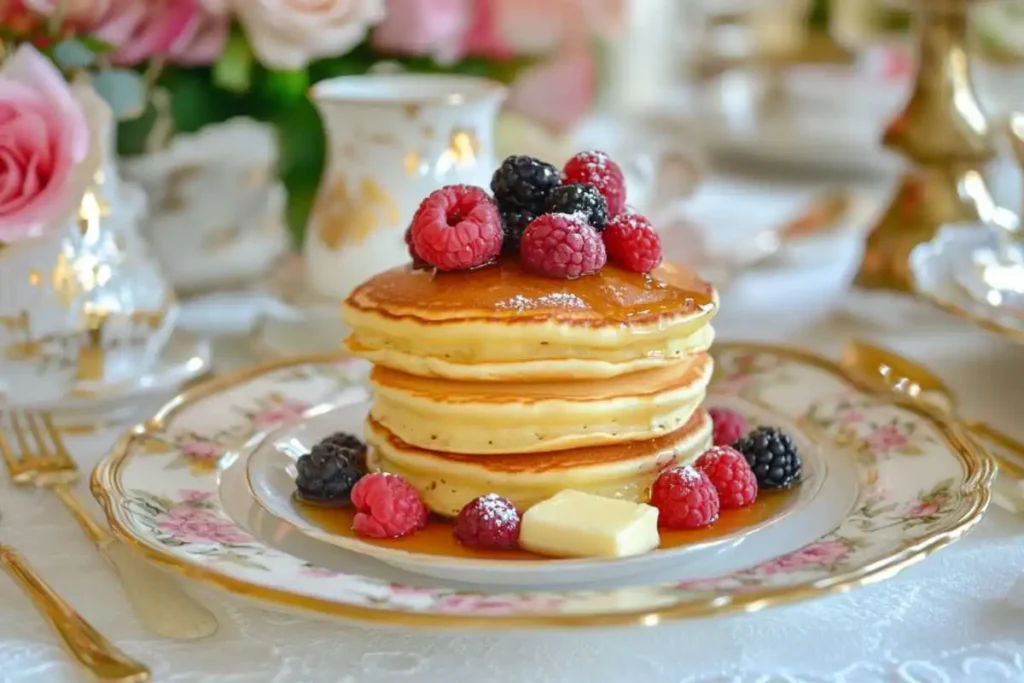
(575, 524)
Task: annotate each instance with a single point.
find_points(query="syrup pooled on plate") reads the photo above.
(437, 537)
(507, 290)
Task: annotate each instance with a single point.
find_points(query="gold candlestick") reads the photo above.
(1016, 130)
(944, 134)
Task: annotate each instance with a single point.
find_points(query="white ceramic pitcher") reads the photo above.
(392, 139)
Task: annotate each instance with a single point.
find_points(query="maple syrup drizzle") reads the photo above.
(437, 537)
(505, 289)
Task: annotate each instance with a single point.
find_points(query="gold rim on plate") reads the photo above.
(978, 467)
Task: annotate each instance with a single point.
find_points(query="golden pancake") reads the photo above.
(529, 417)
(503, 323)
(447, 481)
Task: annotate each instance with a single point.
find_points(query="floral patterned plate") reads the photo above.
(827, 491)
(172, 489)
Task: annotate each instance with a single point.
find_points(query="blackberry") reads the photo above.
(329, 471)
(582, 199)
(772, 455)
(523, 183)
(344, 440)
(513, 224)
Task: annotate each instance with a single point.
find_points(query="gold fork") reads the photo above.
(85, 643)
(41, 459)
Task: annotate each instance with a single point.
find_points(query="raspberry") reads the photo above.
(387, 506)
(456, 227)
(523, 183)
(632, 243)
(563, 246)
(514, 223)
(685, 498)
(731, 475)
(488, 522)
(582, 199)
(729, 426)
(597, 169)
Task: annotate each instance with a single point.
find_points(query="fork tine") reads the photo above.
(33, 427)
(58, 443)
(5, 446)
(19, 436)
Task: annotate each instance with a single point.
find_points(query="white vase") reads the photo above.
(392, 139)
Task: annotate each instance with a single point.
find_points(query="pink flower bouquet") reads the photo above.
(213, 60)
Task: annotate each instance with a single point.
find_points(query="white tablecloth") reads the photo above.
(946, 619)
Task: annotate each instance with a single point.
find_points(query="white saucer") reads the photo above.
(938, 269)
(184, 358)
(826, 492)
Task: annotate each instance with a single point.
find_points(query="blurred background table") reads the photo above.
(771, 115)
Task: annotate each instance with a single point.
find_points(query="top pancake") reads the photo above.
(508, 293)
(501, 323)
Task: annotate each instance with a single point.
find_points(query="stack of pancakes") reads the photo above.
(496, 380)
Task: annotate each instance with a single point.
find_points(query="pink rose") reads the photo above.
(823, 554)
(43, 135)
(17, 18)
(483, 37)
(557, 93)
(288, 34)
(199, 525)
(279, 413)
(311, 572)
(196, 496)
(180, 30)
(886, 438)
(78, 15)
(505, 27)
(434, 28)
(851, 417)
(927, 508)
(202, 40)
(201, 450)
(496, 604)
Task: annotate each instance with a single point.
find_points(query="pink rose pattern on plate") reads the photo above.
(461, 603)
(887, 513)
(821, 554)
(188, 524)
(858, 422)
(279, 411)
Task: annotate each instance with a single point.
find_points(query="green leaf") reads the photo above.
(95, 44)
(124, 90)
(233, 71)
(73, 54)
(285, 87)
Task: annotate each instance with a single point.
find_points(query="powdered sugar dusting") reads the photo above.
(712, 454)
(497, 510)
(689, 473)
(560, 300)
(595, 161)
